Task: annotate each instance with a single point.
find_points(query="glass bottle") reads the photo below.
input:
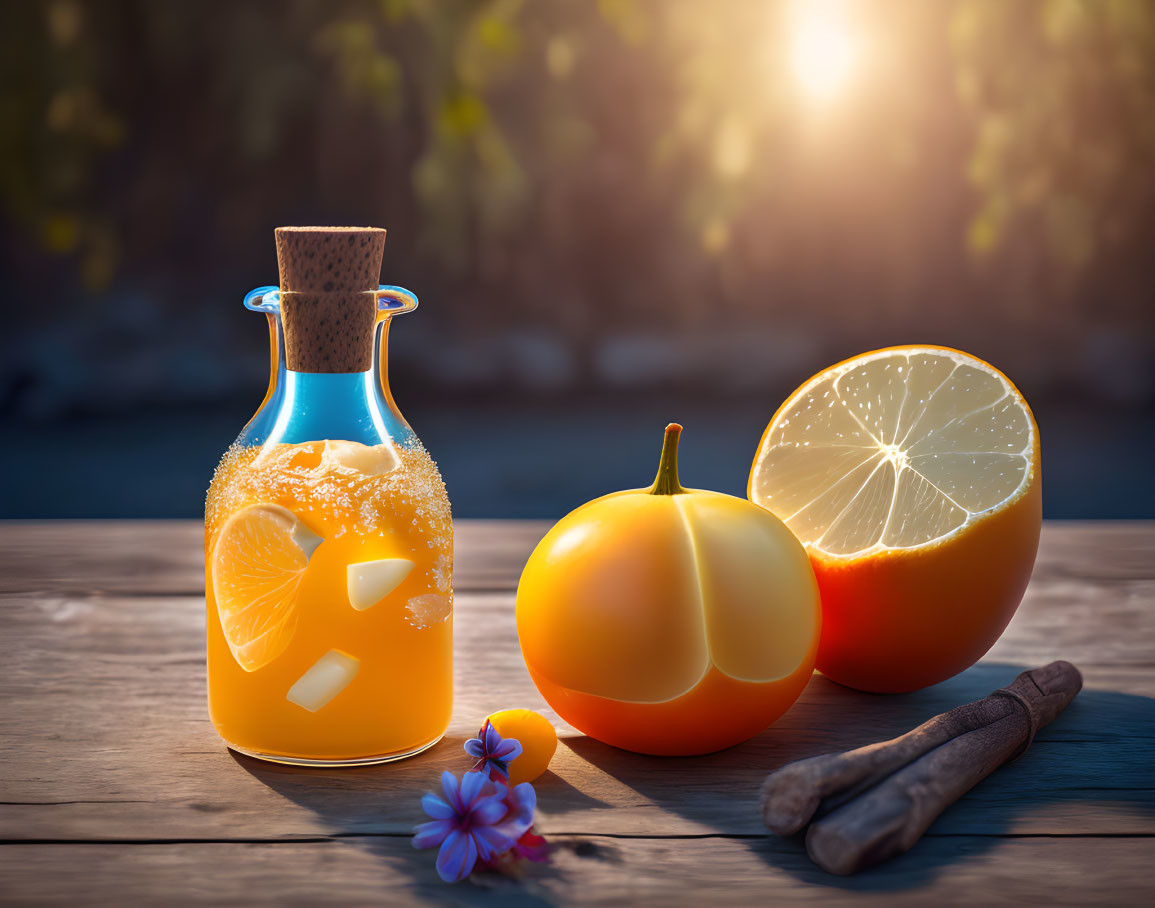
(328, 538)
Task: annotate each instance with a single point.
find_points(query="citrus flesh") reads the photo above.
(257, 565)
(911, 476)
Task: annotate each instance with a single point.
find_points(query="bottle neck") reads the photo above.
(312, 406)
(339, 405)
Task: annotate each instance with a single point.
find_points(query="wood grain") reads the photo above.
(166, 557)
(585, 870)
(105, 740)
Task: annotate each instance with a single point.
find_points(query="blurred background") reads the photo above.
(616, 214)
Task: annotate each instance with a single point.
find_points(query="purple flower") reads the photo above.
(476, 820)
(492, 752)
(520, 802)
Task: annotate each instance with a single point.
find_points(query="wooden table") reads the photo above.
(115, 789)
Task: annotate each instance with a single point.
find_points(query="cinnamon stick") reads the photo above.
(869, 804)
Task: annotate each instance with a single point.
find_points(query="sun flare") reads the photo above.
(823, 49)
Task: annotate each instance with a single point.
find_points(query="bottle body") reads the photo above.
(328, 576)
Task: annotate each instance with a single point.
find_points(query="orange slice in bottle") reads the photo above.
(257, 565)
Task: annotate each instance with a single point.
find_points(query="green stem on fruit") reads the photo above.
(666, 482)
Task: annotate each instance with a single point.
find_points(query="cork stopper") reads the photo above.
(327, 313)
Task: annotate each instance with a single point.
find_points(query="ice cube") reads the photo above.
(428, 610)
(369, 460)
(328, 676)
(371, 581)
(306, 539)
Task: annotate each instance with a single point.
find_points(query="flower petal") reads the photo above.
(457, 856)
(482, 766)
(525, 795)
(521, 802)
(507, 750)
(475, 748)
(489, 811)
(472, 785)
(490, 842)
(437, 808)
(452, 789)
(432, 833)
(492, 738)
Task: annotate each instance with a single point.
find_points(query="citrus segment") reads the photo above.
(637, 576)
(738, 549)
(257, 565)
(894, 449)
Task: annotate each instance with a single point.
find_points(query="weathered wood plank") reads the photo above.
(107, 735)
(165, 557)
(102, 556)
(585, 871)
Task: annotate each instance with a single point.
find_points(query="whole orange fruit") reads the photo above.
(911, 475)
(669, 620)
(537, 738)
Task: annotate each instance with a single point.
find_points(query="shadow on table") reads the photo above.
(1104, 741)
(1098, 751)
(374, 809)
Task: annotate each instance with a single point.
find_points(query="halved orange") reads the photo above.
(258, 561)
(911, 476)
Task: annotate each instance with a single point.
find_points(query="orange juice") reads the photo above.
(328, 578)
(328, 535)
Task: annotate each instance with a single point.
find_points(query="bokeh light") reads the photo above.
(824, 47)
